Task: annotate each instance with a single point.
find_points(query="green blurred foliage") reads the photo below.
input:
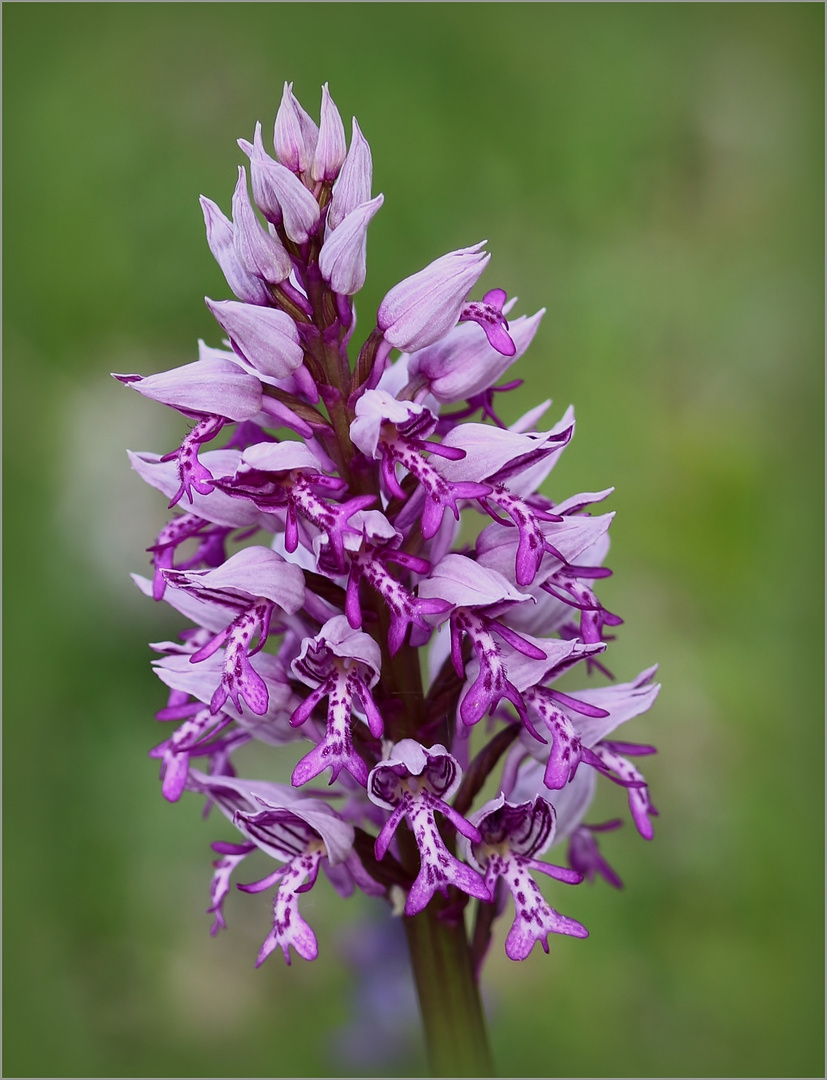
(653, 175)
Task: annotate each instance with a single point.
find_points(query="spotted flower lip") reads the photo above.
(395, 433)
(342, 665)
(249, 587)
(550, 613)
(299, 832)
(579, 725)
(199, 681)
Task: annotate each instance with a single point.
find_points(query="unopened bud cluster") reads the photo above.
(315, 553)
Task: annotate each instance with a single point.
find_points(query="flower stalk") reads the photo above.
(350, 618)
(453, 1020)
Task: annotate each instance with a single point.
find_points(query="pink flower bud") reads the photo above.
(221, 239)
(352, 188)
(258, 251)
(342, 261)
(266, 338)
(331, 146)
(295, 134)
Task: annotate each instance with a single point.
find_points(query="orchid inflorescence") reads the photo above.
(339, 488)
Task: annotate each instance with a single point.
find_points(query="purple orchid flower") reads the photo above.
(288, 476)
(579, 725)
(342, 665)
(511, 835)
(301, 833)
(252, 583)
(414, 783)
(396, 433)
(331, 534)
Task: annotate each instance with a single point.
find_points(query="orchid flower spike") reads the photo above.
(373, 571)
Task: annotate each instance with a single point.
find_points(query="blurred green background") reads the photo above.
(650, 173)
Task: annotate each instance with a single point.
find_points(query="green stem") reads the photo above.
(452, 1016)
